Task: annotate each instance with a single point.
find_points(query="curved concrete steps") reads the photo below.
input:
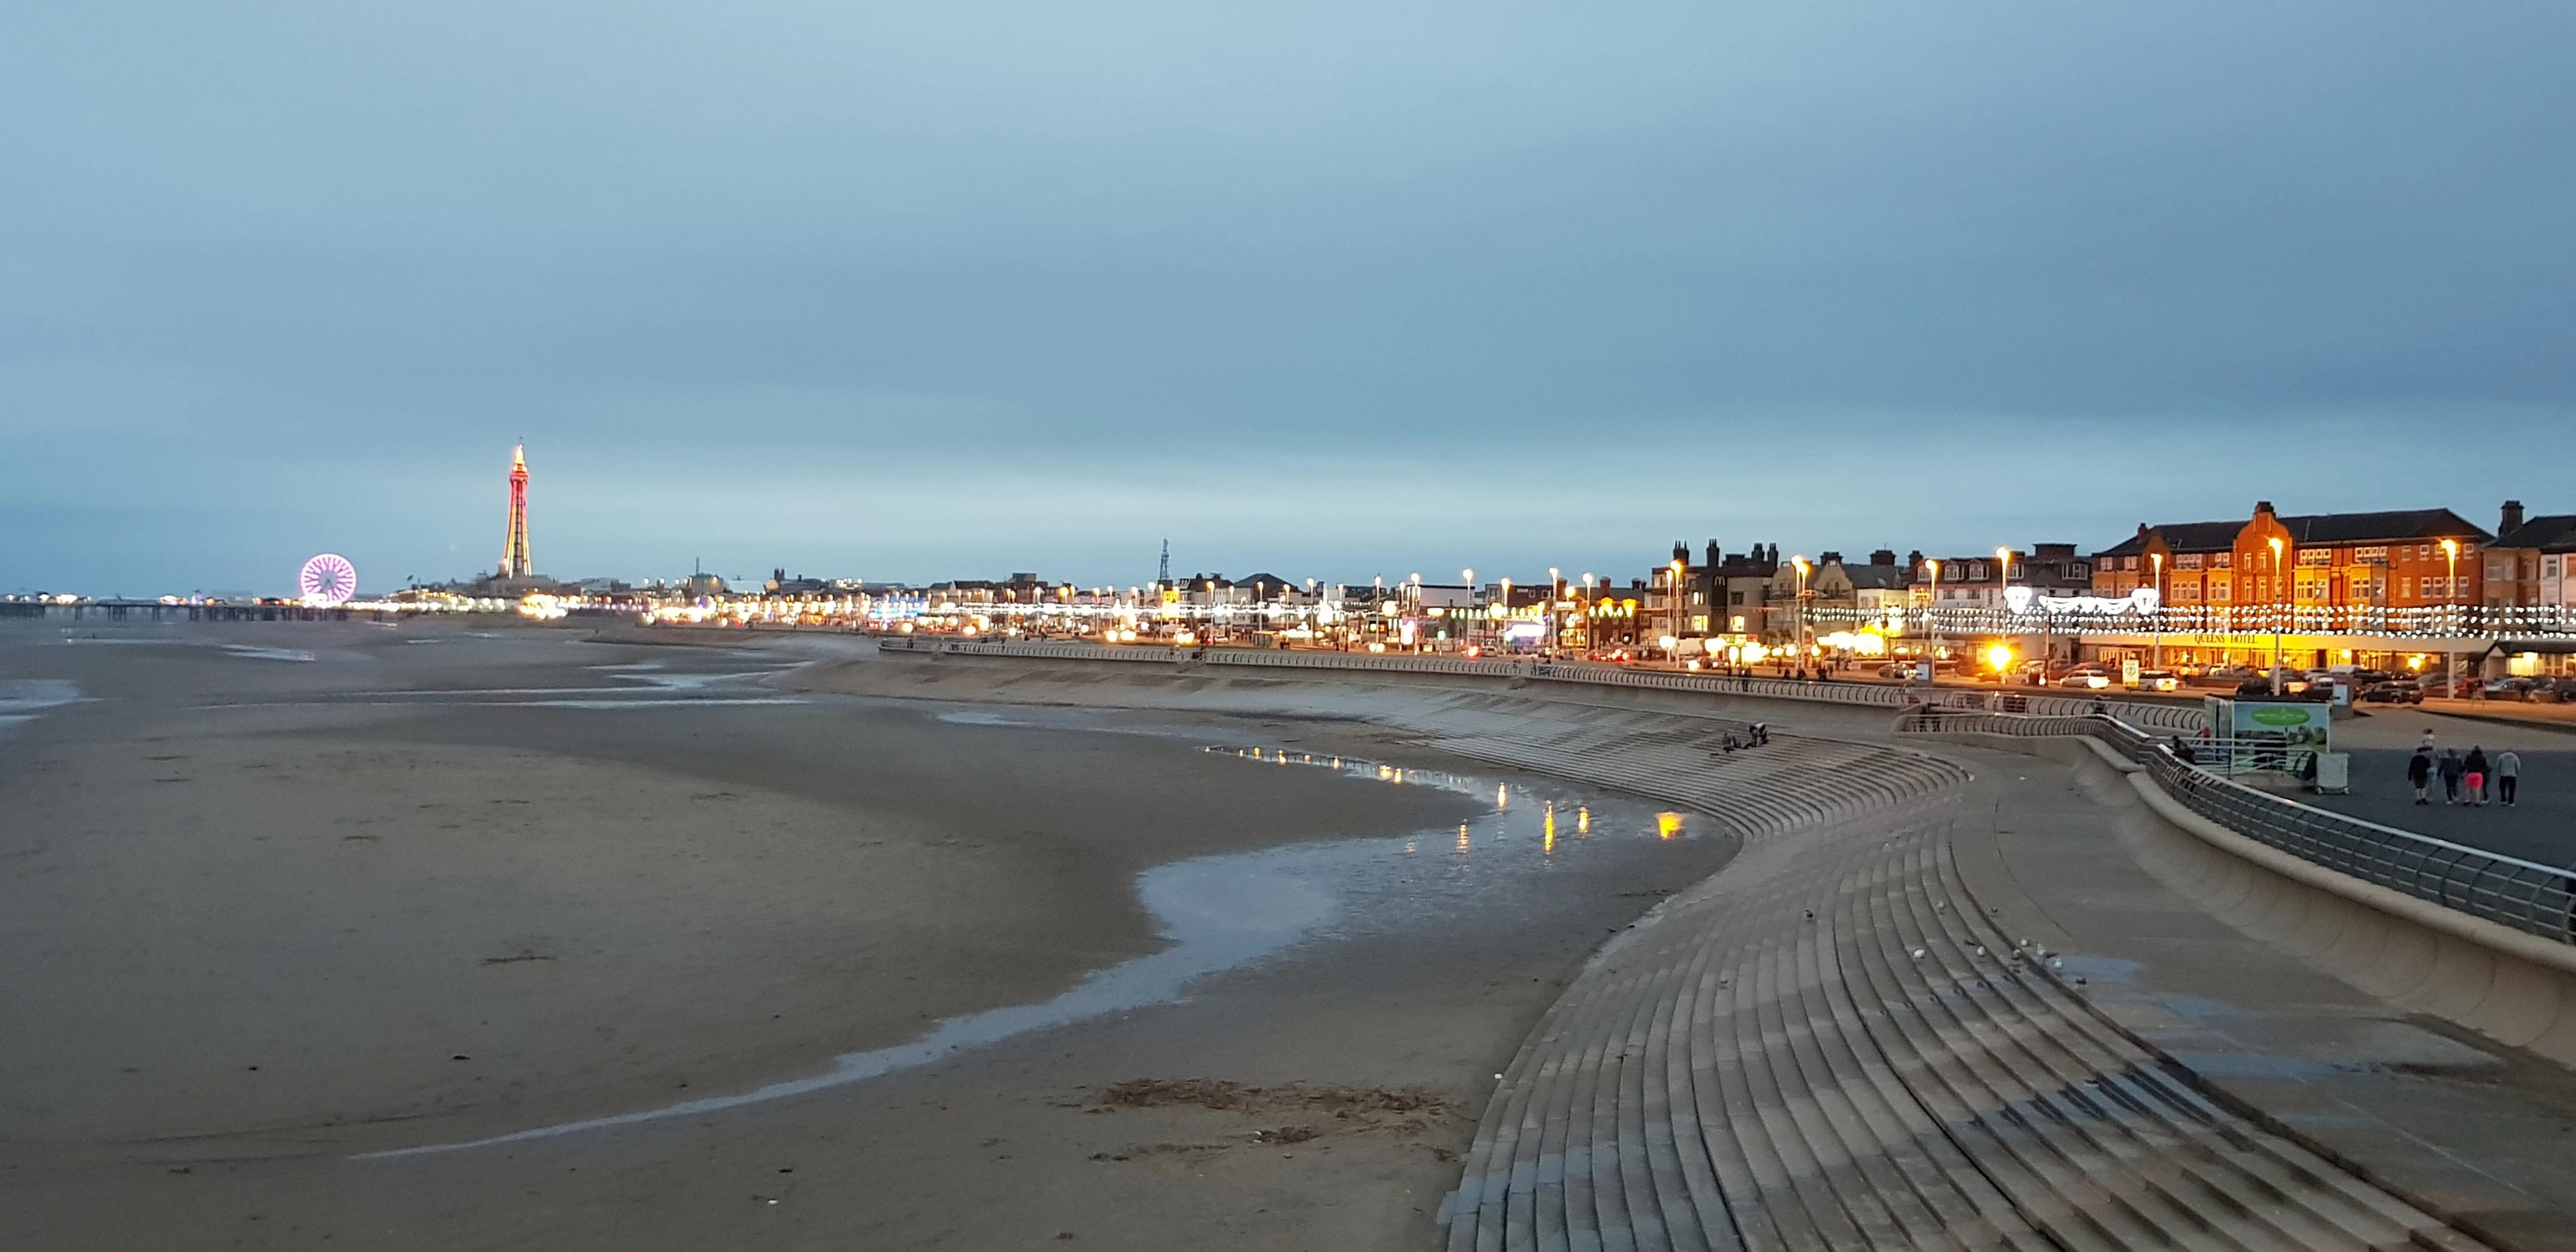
(1787, 784)
(1832, 1045)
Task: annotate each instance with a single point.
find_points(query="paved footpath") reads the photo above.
(1971, 1021)
(2540, 827)
(2456, 1122)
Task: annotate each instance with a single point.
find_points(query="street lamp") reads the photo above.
(2003, 583)
(1675, 650)
(2450, 601)
(1800, 607)
(2159, 619)
(1932, 619)
(1468, 576)
(2276, 615)
(1588, 602)
(1555, 592)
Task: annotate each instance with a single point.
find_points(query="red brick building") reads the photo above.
(2407, 558)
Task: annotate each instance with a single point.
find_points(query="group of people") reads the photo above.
(2481, 779)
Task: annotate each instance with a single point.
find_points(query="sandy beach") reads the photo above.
(292, 902)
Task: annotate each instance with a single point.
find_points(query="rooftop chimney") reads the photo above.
(1884, 556)
(2512, 520)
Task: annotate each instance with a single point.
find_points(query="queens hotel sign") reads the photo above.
(2027, 602)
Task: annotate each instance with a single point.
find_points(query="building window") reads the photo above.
(2222, 560)
(2187, 560)
(2316, 556)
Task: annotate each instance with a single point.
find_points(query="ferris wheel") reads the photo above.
(328, 581)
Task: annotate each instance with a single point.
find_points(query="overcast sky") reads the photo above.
(1334, 290)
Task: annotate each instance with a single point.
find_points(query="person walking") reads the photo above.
(2474, 772)
(2419, 771)
(2425, 744)
(2448, 768)
(2508, 775)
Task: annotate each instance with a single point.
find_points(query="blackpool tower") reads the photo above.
(514, 550)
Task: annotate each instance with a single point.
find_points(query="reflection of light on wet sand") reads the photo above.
(1547, 842)
(1503, 796)
(1668, 825)
(1462, 836)
(1583, 821)
(1461, 783)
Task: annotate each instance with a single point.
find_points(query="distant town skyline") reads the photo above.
(1333, 292)
(515, 571)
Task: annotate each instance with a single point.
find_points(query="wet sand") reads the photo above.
(434, 885)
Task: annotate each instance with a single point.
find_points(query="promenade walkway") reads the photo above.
(2541, 827)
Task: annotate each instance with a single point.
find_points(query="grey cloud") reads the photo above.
(2173, 249)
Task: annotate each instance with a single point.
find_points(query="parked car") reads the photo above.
(2394, 691)
(2293, 687)
(2158, 680)
(2092, 676)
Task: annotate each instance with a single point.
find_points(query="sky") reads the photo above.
(1320, 289)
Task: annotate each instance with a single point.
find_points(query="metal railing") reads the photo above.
(2431, 622)
(1867, 695)
(938, 646)
(2522, 895)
